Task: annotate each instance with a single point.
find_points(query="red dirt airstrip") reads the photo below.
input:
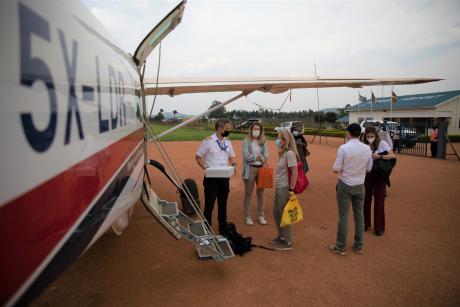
(416, 262)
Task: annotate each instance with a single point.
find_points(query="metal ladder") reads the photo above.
(178, 224)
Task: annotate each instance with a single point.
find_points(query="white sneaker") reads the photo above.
(248, 221)
(262, 220)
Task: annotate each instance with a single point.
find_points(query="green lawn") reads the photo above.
(188, 133)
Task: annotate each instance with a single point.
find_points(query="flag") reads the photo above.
(372, 97)
(394, 98)
(362, 98)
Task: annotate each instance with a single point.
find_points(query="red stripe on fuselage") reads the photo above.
(32, 224)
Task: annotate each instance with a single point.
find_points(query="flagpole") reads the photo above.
(391, 105)
(359, 101)
(372, 103)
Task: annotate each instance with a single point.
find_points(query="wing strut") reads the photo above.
(196, 117)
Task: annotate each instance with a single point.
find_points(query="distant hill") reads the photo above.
(335, 110)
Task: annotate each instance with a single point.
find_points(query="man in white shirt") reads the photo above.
(216, 151)
(353, 160)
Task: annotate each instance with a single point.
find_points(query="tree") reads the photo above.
(159, 116)
(219, 113)
(331, 117)
(319, 117)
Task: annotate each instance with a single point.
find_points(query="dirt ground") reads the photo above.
(416, 262)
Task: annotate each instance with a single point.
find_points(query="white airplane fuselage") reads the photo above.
(72, 140)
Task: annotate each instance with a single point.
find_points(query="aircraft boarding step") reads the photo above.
(180, 225)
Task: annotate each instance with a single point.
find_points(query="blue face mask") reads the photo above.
(278, 143)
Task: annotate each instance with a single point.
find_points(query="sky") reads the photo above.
(286, 38)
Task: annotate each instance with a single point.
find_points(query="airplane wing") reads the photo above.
(173, 87)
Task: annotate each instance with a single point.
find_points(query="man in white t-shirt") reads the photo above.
(216, 151)
(353, 160)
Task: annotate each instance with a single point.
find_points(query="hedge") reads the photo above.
(326, 132)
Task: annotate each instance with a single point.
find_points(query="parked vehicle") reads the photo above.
(248, 123)
(290, 125)
(408, 137)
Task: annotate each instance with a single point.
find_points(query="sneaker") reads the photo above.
(358, 250)
(262, 220)
(276, 240)
(248, 221)
(336, 250)
(283, 246)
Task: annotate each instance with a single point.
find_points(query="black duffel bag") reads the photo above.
(383, 168)
(239, 243)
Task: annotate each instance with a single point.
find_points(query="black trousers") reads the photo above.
(434, 149)
(396, 146)
(216, 188)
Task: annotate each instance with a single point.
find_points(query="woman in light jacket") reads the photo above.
(284, 188)
(255, 154)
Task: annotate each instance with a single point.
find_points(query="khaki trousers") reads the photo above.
(248, 188)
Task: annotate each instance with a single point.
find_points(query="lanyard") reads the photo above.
(222, 147)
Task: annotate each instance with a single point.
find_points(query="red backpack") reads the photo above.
(302, 181)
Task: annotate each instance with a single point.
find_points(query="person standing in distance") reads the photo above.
(216, 151)
(301, 147)
(353, 160)
(434, 142)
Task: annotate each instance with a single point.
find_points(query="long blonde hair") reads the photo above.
(261, 137)
(290, 143)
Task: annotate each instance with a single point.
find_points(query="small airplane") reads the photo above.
(74, 134)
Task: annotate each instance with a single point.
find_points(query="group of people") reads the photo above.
(357, 184)
(217, 151)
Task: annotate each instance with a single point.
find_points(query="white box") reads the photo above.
(220, 172)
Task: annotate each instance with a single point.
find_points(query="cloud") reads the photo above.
(245, 38)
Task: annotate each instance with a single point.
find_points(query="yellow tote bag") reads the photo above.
(292, 212)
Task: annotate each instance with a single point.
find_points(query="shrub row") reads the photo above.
(326, 132)
(455, 138)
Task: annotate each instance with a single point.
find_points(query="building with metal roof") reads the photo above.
(429, 107)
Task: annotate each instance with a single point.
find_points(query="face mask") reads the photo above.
(295, 133)
(226, 133)
(278, 143)
(255, 133)
(370, 140)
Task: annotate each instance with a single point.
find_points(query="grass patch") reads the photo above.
(189, 133)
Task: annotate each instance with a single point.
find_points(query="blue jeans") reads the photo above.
(345, 195)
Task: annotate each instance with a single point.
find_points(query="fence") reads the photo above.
(414, 138)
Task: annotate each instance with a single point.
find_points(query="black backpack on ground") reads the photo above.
(187, 207)
(240, 244)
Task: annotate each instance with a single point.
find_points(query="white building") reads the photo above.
(411, 109)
